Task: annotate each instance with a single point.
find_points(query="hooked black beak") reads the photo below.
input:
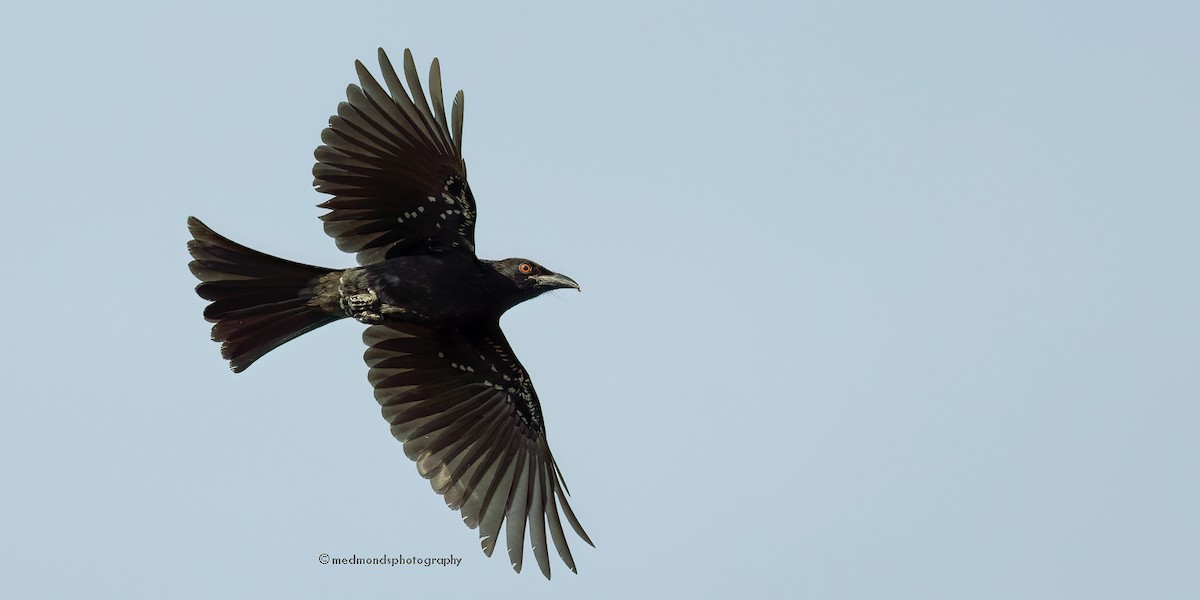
(554, 281)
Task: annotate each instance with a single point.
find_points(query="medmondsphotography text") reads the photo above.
(387, 560)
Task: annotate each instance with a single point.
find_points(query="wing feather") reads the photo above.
(518, 511)
(418, 97)
(556, 529)
(537, 516)
(497, 497)
(435, 96)
(457, 114)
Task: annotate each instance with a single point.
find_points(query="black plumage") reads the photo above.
(447, 380)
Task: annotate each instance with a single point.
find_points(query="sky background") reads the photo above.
(880, 299)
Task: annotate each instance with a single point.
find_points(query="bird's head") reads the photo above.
(530, 279)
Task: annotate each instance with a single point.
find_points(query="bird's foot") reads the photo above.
(362, 307)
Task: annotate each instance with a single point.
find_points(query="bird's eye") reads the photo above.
(525, 268)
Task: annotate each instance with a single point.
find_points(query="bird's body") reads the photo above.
(428, 289)
(448, 382)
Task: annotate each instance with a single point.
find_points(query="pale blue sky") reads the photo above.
(880, 299)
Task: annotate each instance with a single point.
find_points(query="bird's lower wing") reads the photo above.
(461, 404)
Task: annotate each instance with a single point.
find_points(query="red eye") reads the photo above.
(525, 268)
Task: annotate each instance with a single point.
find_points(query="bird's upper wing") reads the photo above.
(395, 170)
(467, 414)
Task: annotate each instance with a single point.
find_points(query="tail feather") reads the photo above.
(250, 305)
(258, 301)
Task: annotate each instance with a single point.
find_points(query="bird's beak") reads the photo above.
(555, 281)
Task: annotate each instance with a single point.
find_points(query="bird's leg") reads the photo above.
(357, 299)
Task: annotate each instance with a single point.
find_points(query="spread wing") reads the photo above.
(468, 415)
(394, 169)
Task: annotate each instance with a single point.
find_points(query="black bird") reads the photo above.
(448, 381)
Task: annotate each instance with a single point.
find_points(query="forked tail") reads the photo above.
(258, 301)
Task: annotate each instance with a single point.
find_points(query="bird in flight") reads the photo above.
(448, 382)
